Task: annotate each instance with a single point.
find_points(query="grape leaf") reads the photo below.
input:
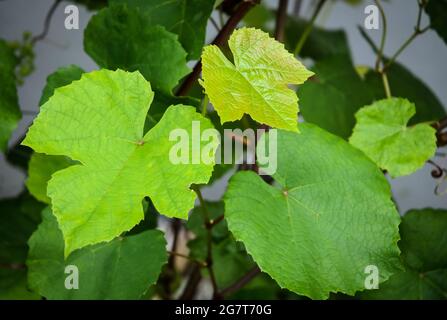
(328, 218)
(424, 251)
(121, 269)
(119, 37)
(334, 97)
(99, 121)
(41, 168)
(186, 18)
(382, 134)
(10, 113)
(256, 83)
(406, 85)
(61, 77)
(437, 10)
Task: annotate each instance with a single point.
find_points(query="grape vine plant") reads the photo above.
(107, 213)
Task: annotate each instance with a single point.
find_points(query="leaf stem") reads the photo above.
(383, 38)
(308, 28)
(386, 84)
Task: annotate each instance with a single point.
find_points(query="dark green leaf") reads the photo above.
(437, 10)
(321, 44)
(17, 222)
(186, 18)
(333, 96)
(60, 78)
(123, 268)
(122, 38)
(424, 251)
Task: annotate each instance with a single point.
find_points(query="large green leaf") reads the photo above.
(9, 104)
(61, 77)
(328, 218)
(41, 168)
(382, 134)
(186, 18)
(121, 37)
(406, 85)
(437, 10)
(99, 121)
(334, 96)
(424, 250)
(256, 83)
(121, 269)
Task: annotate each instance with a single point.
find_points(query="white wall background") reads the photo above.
(425, 57)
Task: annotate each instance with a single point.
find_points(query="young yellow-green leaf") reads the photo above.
(186, 18)
(382, 134)
(122, 38)
(99, 121)
(41, 168)
(121, 269)
(424, 250)
(329, 216)
(256, 83)
(61, 77)
(9, 104)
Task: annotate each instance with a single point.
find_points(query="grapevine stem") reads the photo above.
(417, 31)
(384, 32)
(47, 22)
(308, 28)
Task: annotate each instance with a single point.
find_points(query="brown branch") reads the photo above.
(209, 242)
(216, 221)
(441, 136)
(440, 125)
(281, 16)
(47, 22)
(220, 39)
(184, 256)
(13, 266)
(241, 282)
(191, 286)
